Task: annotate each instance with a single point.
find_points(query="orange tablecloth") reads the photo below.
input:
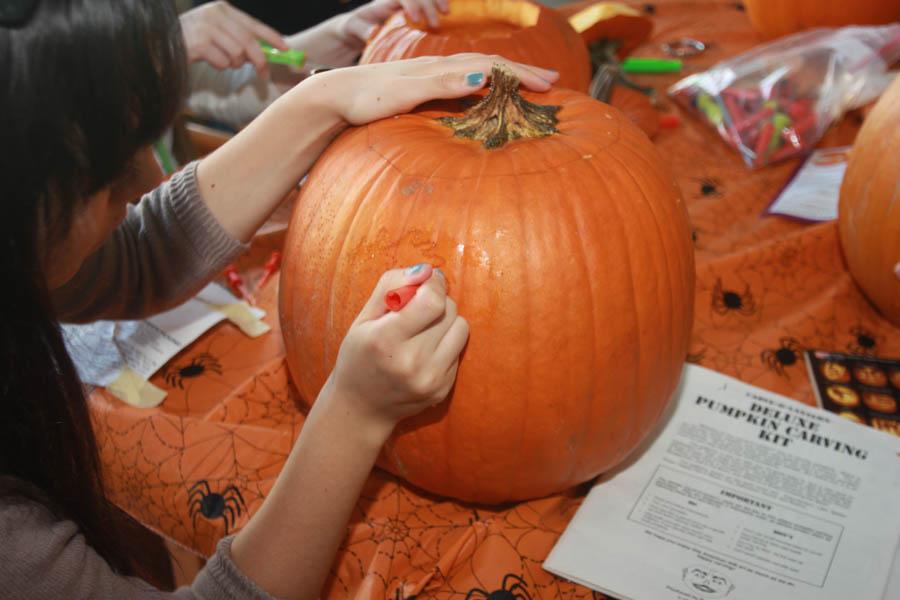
(767, 287)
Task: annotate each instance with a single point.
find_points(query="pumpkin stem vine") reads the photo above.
(503, 114)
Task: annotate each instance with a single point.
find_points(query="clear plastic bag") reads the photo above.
(776, 100)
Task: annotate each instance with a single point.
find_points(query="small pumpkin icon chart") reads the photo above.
(852, 416)
(895, 378)
(870, 375)
(835, 371)
(880, 401)
(842, 396)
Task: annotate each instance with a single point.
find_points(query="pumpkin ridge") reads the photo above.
(627, 259)
(574, 209)
(652, 216)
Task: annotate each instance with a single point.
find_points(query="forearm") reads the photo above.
(245, 179)
(324, 45)
(289, 545)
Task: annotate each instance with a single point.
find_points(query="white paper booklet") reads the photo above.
(741, 494)
(813, 192)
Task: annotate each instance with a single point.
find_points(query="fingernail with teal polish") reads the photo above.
(474, 79)
(441, 273)
(415, 269)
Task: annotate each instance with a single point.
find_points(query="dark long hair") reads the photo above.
(88, 84)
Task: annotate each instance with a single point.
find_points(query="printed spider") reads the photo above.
(709, 186)
(212, 505)
(175, 374)
(865, 343)
(784, 356)
(724, 301)
(516, 591)
(695, 357)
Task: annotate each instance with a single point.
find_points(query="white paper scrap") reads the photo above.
(101, 349)
(812, 194)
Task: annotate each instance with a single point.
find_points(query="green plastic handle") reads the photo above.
(283, 57)
(650, 65)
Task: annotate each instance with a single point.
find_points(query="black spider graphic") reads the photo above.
(709, 186)
(695, 357)
(398, 595)
(516, 591)
(865, 343)
(725, 301)
(212, 505)
(201, 363)
(787, 354)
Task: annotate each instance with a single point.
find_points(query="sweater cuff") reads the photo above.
(218, 247)
(221, 578)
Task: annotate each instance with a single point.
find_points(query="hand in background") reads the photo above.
(340, 40)
(366, 19)
(392, 365)
(226, 37)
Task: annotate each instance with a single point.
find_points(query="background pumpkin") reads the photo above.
(774, 18)
(869, 206)
(637, 107)
(570, 255)
(518, 30)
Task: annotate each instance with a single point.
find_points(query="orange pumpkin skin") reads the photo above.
(637, 107)
(869, 205)
(518, 30)
(569, 255)
(774, 18)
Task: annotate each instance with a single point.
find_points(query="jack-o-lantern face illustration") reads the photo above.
(870, 375)
(880, 401)
(835, 371)
(852, 416)
(888, 425)
(842, 396)
(895, 378)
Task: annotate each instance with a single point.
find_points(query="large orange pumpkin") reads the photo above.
(869, 207)
(519, 30)
(774, 18)
(569, 254)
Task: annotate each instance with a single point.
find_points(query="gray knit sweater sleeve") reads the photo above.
(43, 558)
(168, 247)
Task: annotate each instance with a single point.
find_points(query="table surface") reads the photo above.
(229, 421)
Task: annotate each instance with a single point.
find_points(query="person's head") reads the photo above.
(90, 84)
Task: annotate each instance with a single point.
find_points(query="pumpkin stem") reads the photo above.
(503, 114)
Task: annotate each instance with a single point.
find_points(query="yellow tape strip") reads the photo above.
(133, 389)
(239, 314)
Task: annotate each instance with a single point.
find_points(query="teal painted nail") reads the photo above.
(415, 269)
(441, 273)
(474, 79)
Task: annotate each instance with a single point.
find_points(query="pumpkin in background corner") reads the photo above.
(519, 30)
(775, 18)
(869, 205)
(569, 253)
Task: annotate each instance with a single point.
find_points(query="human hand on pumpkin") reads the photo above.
(339, 41)
(392, 365)
(226, 37)
(366, 93)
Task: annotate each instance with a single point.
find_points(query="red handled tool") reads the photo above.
(270, 268)
(397, 299)
(236, 283)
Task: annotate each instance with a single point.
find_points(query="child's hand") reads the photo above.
(392, 365)
(226, 37)
(366, 93)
